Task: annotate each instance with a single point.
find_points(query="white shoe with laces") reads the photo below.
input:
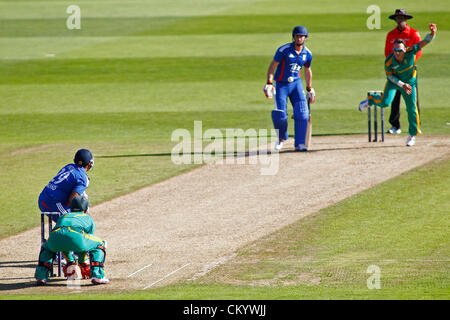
(394, 130)
(410, 141)
(279, 145)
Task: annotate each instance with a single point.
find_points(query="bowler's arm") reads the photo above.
(398, 82)
(429, 37)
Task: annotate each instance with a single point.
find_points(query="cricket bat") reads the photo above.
(308, 130)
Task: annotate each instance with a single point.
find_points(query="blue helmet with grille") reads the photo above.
(83, 157)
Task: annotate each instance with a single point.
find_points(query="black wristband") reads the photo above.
(308, 89)
(268, 82)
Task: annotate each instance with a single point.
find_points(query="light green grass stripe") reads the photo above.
(46, 47)
(337, 7)
(116, 9)
(224, 45)
(139, 8)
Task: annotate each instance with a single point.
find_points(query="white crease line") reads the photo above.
(140, 270)
(166, 276)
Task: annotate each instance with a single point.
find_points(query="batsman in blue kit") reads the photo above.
(285, 70)
(71, 181)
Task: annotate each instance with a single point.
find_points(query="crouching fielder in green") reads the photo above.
(74, 232)
(401, 75)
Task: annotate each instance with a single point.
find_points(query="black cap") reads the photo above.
(400, 13)
(79, 203)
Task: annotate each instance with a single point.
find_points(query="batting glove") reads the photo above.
(269, 90)
(311, 95)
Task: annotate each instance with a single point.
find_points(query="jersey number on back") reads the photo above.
(62, 175)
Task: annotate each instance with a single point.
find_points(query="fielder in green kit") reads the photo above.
(401, 74)
(74, 232)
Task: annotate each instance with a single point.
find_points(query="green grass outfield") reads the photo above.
(137, 70)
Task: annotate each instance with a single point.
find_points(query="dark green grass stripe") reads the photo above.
(126, 126)
(283, 23)
(196, 69)
(158, 126)
(354, 22)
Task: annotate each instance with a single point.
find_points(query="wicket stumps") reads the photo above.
(50, 226)
(375, 120)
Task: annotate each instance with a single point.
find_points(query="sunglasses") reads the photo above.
(399, 50)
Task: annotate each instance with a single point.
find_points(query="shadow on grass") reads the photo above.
(247, 153)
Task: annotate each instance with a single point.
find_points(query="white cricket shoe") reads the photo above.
(394, 130)
(363, 105)
(279, 145)
(98, 281)
(410, 141)
(301, 148)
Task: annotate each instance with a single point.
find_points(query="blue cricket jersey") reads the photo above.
(70, 178)
(290, 63)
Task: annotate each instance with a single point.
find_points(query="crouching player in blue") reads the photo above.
(71, 181)
(74, 231)
(285, 70)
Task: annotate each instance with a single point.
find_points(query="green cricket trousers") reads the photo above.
(388, 95)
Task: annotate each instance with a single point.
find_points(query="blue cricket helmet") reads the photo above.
(300, 30)
(83, 157)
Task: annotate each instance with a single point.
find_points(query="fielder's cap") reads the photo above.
(400, 13)
(79, 203)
